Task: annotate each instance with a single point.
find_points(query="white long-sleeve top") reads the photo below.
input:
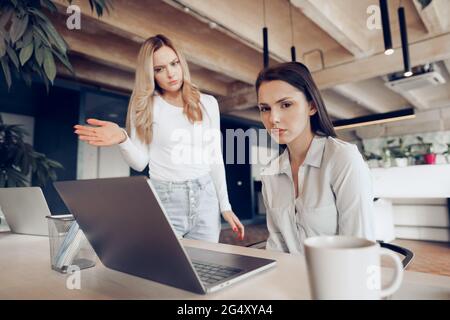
(335, 196)
(181, 150)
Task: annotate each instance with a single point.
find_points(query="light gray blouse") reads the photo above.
(334, 196)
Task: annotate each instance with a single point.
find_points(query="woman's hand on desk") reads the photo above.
(103, 133)
(234, 223)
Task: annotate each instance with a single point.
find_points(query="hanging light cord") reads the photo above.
(264, 12)
(292, 22)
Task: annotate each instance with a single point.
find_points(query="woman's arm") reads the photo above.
(134, 151)
(105, 133)
(216, 162)
(217, 169)
(352, 186)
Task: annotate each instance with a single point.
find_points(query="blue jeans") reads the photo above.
(192, 207)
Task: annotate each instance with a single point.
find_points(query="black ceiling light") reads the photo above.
(377, 118)
(293, 55)
(388, 50)
(405, 46)
(265, 39)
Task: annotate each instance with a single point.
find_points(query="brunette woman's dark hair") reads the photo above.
(298, 76)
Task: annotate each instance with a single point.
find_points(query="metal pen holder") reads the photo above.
(68, 244)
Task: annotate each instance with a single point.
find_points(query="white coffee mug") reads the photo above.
(343, 267)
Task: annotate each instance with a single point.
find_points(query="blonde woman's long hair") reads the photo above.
(140, 108)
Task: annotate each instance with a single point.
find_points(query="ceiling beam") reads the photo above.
(210, 49)
(119, 53)
(243, 21)
(421, 52)
(447, 65)
(435, 49)
(97, 74)
(435, 15)
(213, 14)
(352, 92)
(330, 17)
(341, 107)
(373, 95)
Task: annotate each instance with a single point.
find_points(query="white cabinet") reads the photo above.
(424, 181)
(419, 200)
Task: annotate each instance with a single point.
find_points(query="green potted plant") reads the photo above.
(387, 155)
(429, 155)
(373, 159)
(400, 153)
(30, 45)
(18, 160)
(447, 153)
(396, 153)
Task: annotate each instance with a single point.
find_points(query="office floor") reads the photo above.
(430, 257)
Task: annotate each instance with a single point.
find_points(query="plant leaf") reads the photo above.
(65, 61)
(6, 71)
(13, 56)
(39, 55)
(26, 76)
(49, 65)
(53, 36)
(25, 53)
(37, 40)
(41, 35)
(15, 178)
(18, 27)
(49, 5)
(4, 35)
(2, 47)
(55, 164)
(5, 16)
(27, 37)
(39, 14)
(19, 44)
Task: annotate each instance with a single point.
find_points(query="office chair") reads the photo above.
(408, 254)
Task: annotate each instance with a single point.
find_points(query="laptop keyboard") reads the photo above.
(210, 273)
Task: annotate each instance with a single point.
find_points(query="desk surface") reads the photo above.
(26, 274)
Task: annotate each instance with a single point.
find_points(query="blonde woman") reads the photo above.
(165, 115)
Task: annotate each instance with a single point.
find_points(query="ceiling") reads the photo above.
(222, 41)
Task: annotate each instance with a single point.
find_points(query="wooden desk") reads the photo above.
(26, 274)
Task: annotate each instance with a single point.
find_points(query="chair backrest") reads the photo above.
(408, 254)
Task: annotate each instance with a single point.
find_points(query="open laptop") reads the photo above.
(25, 210)
(125, 223)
